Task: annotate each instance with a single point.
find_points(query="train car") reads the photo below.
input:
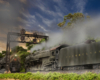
(85, 56)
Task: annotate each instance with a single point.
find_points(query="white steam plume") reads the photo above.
(77, 34)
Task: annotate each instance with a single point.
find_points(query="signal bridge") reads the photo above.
(21, 38)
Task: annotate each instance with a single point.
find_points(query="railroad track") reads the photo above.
(70, 71)
(62, 71)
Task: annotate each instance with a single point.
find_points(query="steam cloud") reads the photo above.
(77, 34)
(10, 12)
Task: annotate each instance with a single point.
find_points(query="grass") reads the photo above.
(51, 76)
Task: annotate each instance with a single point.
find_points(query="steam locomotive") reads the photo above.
(14, 63)
(43, 60)
(65, 57)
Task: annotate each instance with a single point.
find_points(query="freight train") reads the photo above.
(14, 63)
(65, 57)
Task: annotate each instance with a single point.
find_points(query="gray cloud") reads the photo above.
(10, 17)
(43, 28)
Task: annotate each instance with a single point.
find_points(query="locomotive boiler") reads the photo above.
(65, 57)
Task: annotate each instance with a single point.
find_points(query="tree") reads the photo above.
(1, 55)
(29, 46)
(22, 57)
(42, 40)
(18, 48)
(3, 52)
(72, 18)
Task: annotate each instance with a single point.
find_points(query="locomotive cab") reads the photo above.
(55, 52)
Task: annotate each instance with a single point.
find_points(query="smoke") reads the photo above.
(78, 34)
(82, 30)
(10, 12)
(54, 39)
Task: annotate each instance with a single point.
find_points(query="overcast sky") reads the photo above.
(40, 15)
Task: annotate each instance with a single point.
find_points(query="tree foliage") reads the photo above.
(72, 18)
(3, 52)
(1, 55)
(29, 46)
(42, 40)
(18, 48)
(22, 57)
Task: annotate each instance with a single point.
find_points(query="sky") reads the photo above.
(46, 14)
(40, 15)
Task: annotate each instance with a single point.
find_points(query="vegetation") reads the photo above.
(29, 46)
(51, 76)
(42, 40)
(71, 19)
(1, 55)
(22, 55)
(18, 48)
